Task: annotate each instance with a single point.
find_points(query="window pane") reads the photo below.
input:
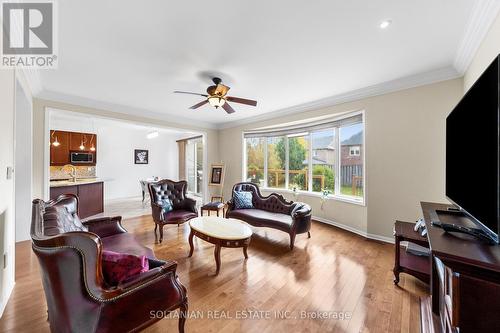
(298, 162)
(323, 160)
(255, 160)
(351, 160)
(276, 163)
(199, 166)
(194, 165)
(191, 166)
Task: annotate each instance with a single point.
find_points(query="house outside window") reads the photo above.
(354, 150)
(310, 159)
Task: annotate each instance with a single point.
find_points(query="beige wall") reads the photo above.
(488, 50)
(405, 147)
(39, 144)
(7, 227)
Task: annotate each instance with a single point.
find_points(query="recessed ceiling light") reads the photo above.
(385, 24)
(152, 135)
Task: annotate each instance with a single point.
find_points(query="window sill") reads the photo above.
(342, 198)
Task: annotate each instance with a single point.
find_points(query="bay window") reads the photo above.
(255, 157)
(298, 161)
(327, 156)
(323, 160)
(276, 162)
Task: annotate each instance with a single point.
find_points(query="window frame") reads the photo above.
(336, 195)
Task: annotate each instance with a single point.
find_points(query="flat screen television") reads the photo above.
(472, 152)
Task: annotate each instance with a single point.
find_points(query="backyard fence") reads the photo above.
(349, 173)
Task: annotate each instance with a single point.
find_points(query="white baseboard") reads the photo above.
(354, 230)
(4, 302)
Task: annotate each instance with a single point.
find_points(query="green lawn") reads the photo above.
(347, 190)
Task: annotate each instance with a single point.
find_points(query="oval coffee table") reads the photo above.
(221, 232)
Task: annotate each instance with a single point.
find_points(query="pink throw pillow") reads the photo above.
(118, 267)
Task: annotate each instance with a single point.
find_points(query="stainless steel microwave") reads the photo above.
(81, 157)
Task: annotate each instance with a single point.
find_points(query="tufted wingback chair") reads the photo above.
(78, 297)
(184, 208)
(272, 211)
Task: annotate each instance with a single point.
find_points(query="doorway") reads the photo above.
(194, 166)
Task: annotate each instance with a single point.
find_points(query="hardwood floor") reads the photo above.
(333, 273)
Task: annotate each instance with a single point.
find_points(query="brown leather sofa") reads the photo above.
(272, 211)
(184, 208)
(78, 297)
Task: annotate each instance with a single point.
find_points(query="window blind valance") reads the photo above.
(308, 127)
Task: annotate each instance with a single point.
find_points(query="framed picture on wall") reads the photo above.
(217, 174)
(141, 156)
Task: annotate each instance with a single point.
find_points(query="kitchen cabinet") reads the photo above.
(90, 196)
(57, 191)
(68, 142)
(59, 155)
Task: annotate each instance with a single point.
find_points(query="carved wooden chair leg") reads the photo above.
(156, 227)
(161, 233)
(183, 312)
(308, 234)
(292, 240)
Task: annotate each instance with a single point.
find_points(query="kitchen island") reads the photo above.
(90, 194)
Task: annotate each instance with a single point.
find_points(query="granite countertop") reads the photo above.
(79, 181)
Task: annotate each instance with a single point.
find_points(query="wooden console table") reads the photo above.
(404, 262)
(465, 279)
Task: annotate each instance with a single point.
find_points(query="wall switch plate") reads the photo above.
(10, 172)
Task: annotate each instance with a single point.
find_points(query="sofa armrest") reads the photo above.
(190, 204)
(301, 210)
(301, 217)
(230, 204)
(105, 226)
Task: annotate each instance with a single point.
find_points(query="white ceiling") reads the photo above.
(133, 54)
(78, 122)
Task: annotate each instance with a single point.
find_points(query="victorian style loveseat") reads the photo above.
(272, 211)
(79, 299)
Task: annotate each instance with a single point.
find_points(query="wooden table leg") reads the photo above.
(396, 269)
(191, 245)
(245, 251)
(217, 258)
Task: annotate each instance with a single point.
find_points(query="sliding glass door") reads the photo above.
(194, 165)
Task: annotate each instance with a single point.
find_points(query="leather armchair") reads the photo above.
(272, 211)
(184, 208)
(78, 297)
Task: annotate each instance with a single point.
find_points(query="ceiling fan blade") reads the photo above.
(228, 108)
(242, 100)
(189, 93)
(221, 89)
(199, 104)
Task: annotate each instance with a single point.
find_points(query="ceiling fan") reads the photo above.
(217, 97)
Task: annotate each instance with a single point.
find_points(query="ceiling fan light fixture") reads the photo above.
(216, 101)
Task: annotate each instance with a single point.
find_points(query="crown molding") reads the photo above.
(32, 78)
(407, 82)
(481, 18)
(175, 120)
